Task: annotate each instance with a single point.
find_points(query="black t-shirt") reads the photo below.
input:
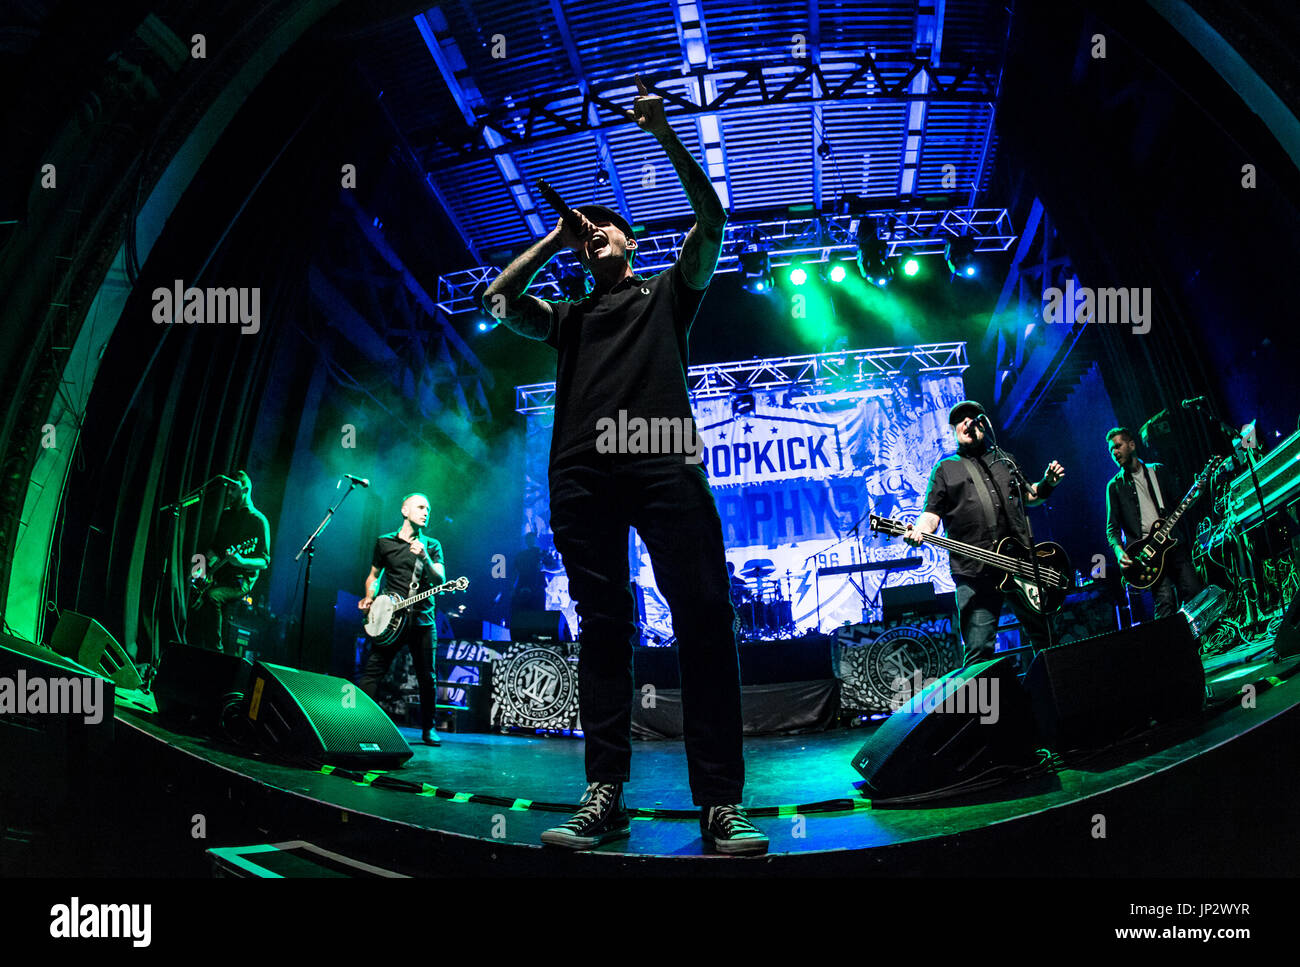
(400, 567)
(237, 525)
(625, 349)
(951, 495)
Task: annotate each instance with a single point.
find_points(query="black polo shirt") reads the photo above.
(239, 524)
(625, 349)
(399, 567)
(951, 495)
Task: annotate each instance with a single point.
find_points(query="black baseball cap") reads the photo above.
(964, 409)
(599, 213)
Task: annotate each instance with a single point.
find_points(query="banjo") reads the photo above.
(384, 620)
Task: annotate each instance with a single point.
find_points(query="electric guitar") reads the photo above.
(384, 620)
(1011, 558)
(199, 584)
(1149, 553)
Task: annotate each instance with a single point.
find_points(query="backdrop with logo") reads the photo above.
(793, 470)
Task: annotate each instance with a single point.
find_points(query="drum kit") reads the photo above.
(763, 607)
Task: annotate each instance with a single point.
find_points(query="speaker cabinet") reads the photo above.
(1088, 693)
(539, 626)
(954, 729)
(84, 640)
(304, 715)
(56, 743)
(198, 686)
(1287, 642)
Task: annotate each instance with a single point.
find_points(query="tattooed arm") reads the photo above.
(507, 299)
(703, 243)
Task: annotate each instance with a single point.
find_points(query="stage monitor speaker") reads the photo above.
(298, 714)
(539, 626)
(1089, 693)
(195, 684)
(1287, 642)
(953, 730)
(84, 640)
(54, 759)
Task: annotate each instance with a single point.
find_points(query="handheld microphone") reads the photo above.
(553, 199)
(1194, 401)
(359, 481)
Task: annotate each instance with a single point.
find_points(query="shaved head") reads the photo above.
(410, 497)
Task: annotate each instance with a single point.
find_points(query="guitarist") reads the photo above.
(409, 562)
(973, 496)
(240, 523)
(1136, 498)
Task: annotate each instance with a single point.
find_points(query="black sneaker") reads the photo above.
(601, 818)
(430, 737)
(726, 829)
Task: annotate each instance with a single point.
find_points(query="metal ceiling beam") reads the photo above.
(925, 47)
(993, 107)
(818, 125)
(693, 38)
(445, 52)
(602, 142)
(569, 110)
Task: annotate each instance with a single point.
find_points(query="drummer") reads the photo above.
(740, 593)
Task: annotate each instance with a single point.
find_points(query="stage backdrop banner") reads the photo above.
(536, 687)
(881, 666)
(793, 471)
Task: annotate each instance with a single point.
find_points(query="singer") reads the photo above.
(624, 347)
(975, 499)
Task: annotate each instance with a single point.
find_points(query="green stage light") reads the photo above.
(798, 276)
(838, 273)
(911, 267)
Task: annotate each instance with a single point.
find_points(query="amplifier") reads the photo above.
(1279, 481)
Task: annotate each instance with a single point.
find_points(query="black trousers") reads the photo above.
(211, 626)
(979, 603)
(420, 640)
(669, 502)
(1178, 585)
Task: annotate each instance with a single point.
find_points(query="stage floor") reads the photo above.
(1161, 782)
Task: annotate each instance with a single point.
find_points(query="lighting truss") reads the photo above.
(822, 375)
(811, 240)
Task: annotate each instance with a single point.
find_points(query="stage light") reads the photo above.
(756, 273)
(911, 267)
(824, 150)
(959, 253)
(873, 252)
(838, 273)
(483, 326)
(602, 176)
(798, 276)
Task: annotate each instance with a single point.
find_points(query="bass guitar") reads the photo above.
(385, 620)
(1149, 554)
(200, 582)
(1010, 557)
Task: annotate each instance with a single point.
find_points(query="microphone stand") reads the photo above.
(310, 550)
(1022, 485)
(174, 509)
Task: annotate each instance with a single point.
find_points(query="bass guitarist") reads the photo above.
(242, 551)
(971, 493)
(408, 562)
(1136, 497)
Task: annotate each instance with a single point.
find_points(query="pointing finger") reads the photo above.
(640, 86)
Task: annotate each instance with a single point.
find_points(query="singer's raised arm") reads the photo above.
(699, 255)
